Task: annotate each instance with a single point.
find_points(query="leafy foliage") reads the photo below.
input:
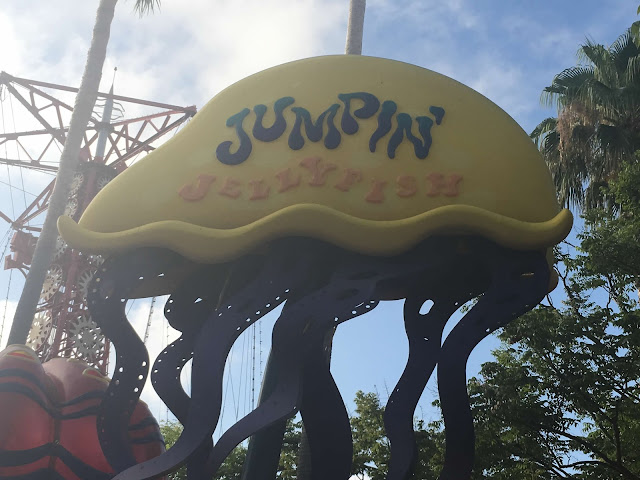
(635, 29)
(289, 460)
(562, 398)
(371, 446)
(612, 241)
(231, 469)
(171, 432)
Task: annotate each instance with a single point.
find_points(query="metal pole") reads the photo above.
(355, 28)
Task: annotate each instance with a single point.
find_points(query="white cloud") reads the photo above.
(191, 50)
(183, 53)
(13, 52)
(434, 15)
(46, 38)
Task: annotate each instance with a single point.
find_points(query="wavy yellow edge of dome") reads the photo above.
(209, 245)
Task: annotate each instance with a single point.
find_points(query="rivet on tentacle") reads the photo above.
(115, 283)
(212, 346)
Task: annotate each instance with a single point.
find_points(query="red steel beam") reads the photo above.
(5, 218)
(38, 206)
(34, 111)
(32, 165)
(147, 143)
(25, 82)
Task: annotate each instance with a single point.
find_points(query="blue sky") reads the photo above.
(190, 50)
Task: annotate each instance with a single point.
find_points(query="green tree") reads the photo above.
(562, 398)
(598, 124)
(231, 469)
(371, 446)
(288, 464)
(171, 431)
(84, 103)
(612, 241)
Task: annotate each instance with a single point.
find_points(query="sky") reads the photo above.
(190, 50)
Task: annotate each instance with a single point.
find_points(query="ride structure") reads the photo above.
(35, 117)
(327, 184)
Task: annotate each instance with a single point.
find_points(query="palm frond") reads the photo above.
(568, 176)
(622, 49)
(594, 194)
(549, 146)
(542, 129)
(552, 96)
(606, 61)
(632, 70)
(566, 84)
(615, 148)
(143, 7)
(580, 138)
(593, 53)
(635, 32)
(597, 96)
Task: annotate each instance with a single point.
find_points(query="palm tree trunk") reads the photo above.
(355, 27)
(84, 103)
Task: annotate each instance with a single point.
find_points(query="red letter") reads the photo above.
(285, 180)
(193, 193)
(351, 176)
(259, 191)
(230, 188)
(376, 195)
(407, 186)
(318, 172)
(440, 185)
(452, 185)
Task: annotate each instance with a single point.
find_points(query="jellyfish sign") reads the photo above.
(326, 185)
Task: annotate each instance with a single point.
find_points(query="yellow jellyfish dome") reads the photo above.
(370, 154)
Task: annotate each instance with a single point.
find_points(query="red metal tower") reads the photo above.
(39, 114)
